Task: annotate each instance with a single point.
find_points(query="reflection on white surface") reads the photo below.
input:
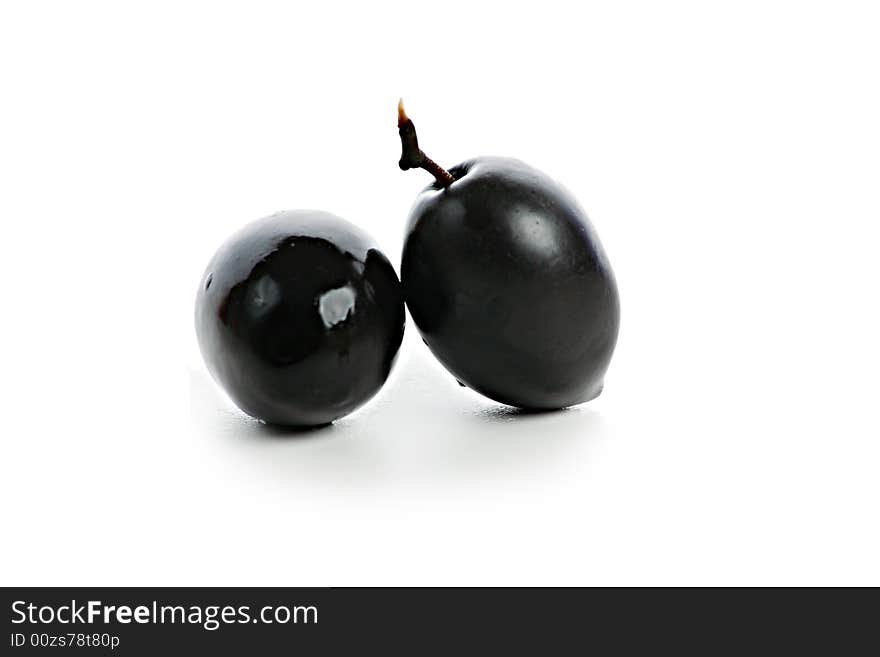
(421, 430)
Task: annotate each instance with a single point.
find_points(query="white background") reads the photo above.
(727, 153)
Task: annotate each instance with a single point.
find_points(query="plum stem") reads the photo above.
(412, 157)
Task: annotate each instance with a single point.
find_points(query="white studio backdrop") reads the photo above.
(727, 154)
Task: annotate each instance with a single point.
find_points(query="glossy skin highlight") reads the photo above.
(299, 317)
(509, 285)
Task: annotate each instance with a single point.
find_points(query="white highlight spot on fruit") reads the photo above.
(335, 306)
(264, 294)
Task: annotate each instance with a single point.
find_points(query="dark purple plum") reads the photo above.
(507, 281)
(299, 317)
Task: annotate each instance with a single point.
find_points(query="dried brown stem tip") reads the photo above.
(401, 114)
(412, 157)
